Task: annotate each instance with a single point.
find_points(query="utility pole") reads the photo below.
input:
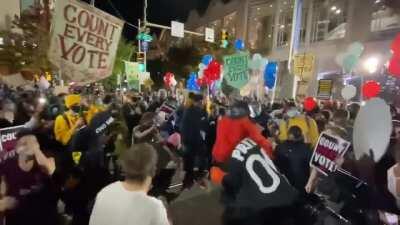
(146, 24)
(295, 40)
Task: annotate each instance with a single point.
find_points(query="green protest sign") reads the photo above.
(236, 69)
(132, 75)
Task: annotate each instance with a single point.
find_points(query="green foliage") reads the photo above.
(185, 58)
(182, 60)
(124, 53)
(27, 44)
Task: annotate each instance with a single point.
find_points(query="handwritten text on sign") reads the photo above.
(84, 41)
(8, 140)
(236, 69)
(328, 149)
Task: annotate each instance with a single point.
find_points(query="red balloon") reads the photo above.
(396, 47)
(213, 71)
(201, 82)
(309, 104)
(394, 67)
(371, 89)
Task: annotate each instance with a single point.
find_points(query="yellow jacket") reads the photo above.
(93, 110)
(307, 125)
(63, 129)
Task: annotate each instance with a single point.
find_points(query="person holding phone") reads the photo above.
(68, 123)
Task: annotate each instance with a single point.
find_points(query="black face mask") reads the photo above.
(76, 108)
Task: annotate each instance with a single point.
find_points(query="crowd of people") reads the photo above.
(108, 158)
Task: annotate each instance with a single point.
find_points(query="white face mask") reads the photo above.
(292, 113)
(99, 101)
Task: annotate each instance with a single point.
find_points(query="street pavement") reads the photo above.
(197, 207)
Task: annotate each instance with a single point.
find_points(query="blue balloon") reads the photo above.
(270, 74)
(191, 83)
(239, 44)
(207, 59)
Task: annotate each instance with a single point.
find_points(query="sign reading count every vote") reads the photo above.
(328, 149)
(84, 41)
(236, 69)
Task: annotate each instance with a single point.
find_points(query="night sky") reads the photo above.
(159, 11)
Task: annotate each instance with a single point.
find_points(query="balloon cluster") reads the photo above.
(394, 63)
(191, 83)
(169, 80)
(209, 71)
(349, 59)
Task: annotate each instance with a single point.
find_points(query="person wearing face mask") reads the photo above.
(68, 123)
(26, 190)
(231, 130)
(308, 126)
(93, 107)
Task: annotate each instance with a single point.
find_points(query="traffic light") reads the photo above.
(141, 60)
(224, 39)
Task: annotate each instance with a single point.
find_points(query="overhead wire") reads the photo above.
(120, 15)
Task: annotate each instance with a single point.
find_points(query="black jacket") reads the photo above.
(253, 182)
(194, 121)
(292, 159)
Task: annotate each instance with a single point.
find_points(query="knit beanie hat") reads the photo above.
(71, 100)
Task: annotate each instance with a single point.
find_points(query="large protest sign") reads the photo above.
(8, 140)
(236, 69)
(328, 149)
(84, 41)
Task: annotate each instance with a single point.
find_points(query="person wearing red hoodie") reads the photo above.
(231, 130)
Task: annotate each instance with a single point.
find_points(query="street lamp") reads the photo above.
(371, 64)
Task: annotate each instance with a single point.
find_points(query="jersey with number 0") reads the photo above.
(253, 181)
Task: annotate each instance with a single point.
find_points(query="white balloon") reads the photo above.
(43, 83)
(349, 92)
(372, 129)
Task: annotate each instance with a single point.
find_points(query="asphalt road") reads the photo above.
(197, 207)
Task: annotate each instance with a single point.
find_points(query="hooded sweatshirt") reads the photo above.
(231, 130)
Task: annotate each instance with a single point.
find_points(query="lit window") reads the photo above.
(261, 27)
(216, 25)
(285, 21)
(26, 5)
(329, 19)
(230, 24)
(384, 17)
